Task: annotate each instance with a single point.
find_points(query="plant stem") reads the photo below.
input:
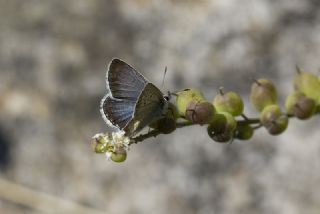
(142, 137)
(154, 132)
(249, 121)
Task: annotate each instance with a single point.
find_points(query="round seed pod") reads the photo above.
(231, 124)
(221, 127)
(218, 124)
(200, 112)
(244, 132)
(186, 96)
(263, 93)
(229, 102)
(300, 106)
(273, 119)
(309, 84)
(224, 137)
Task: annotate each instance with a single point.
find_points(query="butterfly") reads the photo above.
(132, 102)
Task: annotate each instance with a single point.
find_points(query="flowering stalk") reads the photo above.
(191, 107)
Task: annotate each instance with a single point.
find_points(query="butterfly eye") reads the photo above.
(169, 95)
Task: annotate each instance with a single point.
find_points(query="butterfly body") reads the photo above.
(132, 102)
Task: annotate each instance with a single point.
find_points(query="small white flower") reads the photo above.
(117, 136)
(108, 155)
(120, 139)
(102, 138)
(98, 135)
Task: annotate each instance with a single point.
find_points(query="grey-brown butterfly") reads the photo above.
(132, 102)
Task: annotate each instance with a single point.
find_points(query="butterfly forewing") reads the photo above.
(124, 82)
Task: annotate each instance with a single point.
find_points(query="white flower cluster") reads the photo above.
(118, 139)
(109, 142)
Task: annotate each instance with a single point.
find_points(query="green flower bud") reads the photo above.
(273, 119)
(200, 112)
(244, 132)
(309, 84)
(119, 155)
(300, 106)
(228, 102)
(263, 93)
(184, 98)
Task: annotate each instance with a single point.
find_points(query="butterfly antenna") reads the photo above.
(168, 96)
(164, 76)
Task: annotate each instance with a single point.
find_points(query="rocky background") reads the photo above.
(53, 59)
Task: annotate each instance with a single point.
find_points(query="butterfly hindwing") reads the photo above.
(150, 106)
(117, 112)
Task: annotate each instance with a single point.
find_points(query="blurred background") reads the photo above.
(53, 60)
